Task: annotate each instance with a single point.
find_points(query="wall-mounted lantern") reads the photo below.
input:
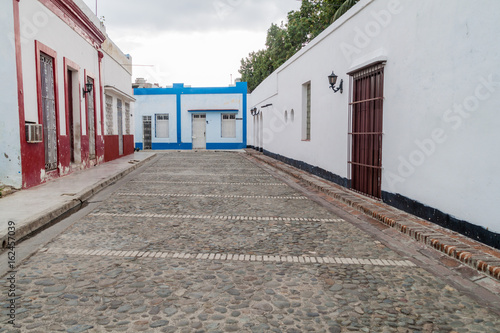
(254, 112)
(332, 79)
(88, 88)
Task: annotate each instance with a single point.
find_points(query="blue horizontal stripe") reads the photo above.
(178, 88)
(171, 146)
(221, 111)
(224, 146)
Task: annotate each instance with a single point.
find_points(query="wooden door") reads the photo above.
(366, 130)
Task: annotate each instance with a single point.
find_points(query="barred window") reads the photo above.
(127, 118)
(109, 115)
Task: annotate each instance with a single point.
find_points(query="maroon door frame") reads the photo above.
(366, 120)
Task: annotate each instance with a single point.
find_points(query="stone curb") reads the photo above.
(418, 229)
(34, 223)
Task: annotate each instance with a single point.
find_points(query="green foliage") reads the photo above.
(343, 9)
(285, 40)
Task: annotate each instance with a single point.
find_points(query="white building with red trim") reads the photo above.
(57, 66)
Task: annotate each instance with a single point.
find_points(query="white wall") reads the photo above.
(10, 144)
(440, 83)
(39, 23)
(117, 73)
(149, 105)
(211, 102)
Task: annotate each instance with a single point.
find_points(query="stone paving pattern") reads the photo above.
(63, 290)
(477, 255)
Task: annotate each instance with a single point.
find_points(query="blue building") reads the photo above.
(183, 117)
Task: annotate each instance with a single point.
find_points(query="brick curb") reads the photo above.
(37, 222)
(474, 254)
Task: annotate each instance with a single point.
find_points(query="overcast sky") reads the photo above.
(195, 42)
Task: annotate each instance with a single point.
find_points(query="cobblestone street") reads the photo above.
(210, 242)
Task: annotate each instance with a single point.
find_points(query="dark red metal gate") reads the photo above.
(366, 130)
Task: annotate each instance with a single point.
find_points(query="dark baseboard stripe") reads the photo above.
(408, 205)
(311, 169)
(438, 217)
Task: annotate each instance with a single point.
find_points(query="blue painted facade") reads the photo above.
(180, 103)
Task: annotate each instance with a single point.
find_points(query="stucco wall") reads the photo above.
(10, 145)
(39, 23)
(179, 102)
(156, 104)
(116, 75)
(211, 102)
(441, 89)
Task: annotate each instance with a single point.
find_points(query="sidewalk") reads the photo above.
(474, 254)
(35, 207)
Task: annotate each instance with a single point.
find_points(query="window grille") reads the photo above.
(119, 114)
(91, 120)
(48, 111)
(127, 118)
(109, 115)
(146, 132)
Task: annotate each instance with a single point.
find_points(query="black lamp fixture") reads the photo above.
(332, 79)
(88, 88)
(254, 112)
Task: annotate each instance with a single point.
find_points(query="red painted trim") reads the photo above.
(111, 147)
(19, 68)
(101, 91)
(74, 17)
(128, 144)
(75, 68)
(20, 88)
(88, 74)
(42, 48)
(68, 64)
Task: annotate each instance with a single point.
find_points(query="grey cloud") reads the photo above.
(193, 15)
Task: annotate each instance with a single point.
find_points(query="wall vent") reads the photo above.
(34, 133)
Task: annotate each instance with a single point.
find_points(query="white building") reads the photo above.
(56, 65)
(184, 117)
(416, 122)
(118, 102)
